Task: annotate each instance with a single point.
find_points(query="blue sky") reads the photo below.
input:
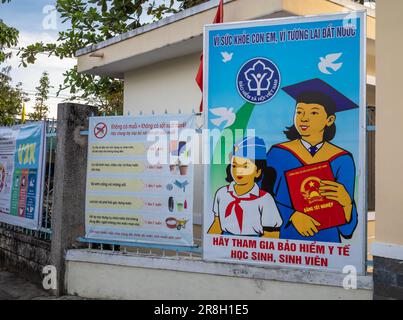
(25, 14)
(33, 18)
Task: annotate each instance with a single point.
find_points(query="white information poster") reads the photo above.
(139, 180)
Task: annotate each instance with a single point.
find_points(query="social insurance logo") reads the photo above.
(258, 80)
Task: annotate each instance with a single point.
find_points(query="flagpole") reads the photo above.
(23, 113)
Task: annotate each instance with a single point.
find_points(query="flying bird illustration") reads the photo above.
(225, 115)
(226, 56)
(329, 62)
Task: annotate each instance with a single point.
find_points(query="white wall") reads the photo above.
(389, 129)
(169, 85)
(115, 276)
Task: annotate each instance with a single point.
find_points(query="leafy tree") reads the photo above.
(8, 38)
(90, 22)
(186, 4)
(41, 109)
(11, 98)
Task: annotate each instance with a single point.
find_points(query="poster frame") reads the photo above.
(25, 223)
(361, 163)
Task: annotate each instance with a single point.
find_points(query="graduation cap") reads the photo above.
(311, 90)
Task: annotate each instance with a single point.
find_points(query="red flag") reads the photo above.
(219, 18)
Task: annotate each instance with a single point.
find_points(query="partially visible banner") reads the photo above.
(22, 151)
(140, 180)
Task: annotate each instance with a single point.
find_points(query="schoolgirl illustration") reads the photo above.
(242, 208)
(310, 142)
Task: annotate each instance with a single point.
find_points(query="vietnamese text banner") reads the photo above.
(138, 189)
(21, 174)
(293, 191)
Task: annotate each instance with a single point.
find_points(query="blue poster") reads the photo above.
(285, 184)
(22, 157)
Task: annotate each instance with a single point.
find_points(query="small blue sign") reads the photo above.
(258, 80)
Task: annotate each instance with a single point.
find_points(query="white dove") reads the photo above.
(329, 62)
(226, 56)
(224, 114)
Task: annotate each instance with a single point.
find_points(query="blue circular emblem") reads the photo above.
(258, 80)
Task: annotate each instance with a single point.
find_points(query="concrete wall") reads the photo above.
(68, 217)
(100, 281)
(101, 275)
(167, 85)
(388, 278)
(23, 254)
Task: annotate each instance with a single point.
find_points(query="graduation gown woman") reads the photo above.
(314, 127)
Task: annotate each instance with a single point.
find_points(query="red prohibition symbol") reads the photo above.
(100, 130)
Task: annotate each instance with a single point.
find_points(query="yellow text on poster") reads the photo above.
(118, 149)
(116, 166)
(119, 185)
(115, 220)
(114, 202)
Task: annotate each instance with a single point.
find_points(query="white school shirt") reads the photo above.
(257, 213)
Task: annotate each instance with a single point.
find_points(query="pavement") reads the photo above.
(14, 288)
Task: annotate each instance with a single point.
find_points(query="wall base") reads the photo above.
(388, 278)
(107, 276)
(388, 270)
(23, 254)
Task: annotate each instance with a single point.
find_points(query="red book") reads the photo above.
(303, 185)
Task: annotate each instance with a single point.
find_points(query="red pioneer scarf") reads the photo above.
(238, 209)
